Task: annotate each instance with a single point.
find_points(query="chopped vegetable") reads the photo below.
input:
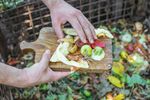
(74, 57)
(130, 47)
(103, 32)
(126, 38)
(98, 53)
(138, 27)
(98, 43)
(124, 54)
(73, 49)
(64, 48)
(86, 50)
(130, 59)
(70, 31)
(139, 60)
(59, 56)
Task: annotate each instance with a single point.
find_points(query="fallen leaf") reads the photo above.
(118, 68)
(135, 79)
(115, 81)
(119, 97)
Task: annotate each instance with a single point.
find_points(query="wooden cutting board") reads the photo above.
(47, 40)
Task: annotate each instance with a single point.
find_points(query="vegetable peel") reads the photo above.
(58, 56)
(103, 32)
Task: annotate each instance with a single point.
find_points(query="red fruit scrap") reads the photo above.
(98, 43)
(130, 47)
(79, 43)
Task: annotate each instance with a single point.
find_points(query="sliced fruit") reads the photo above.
(73, 49)
(103, 32)
(70, 31)
(98, 43)
(98, 53)
(86, 50)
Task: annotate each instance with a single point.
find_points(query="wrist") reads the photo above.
(28, 79)
(52, 3)
(23, 80)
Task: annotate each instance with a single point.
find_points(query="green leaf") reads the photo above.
(70, 31)
(51, 97)
(135, 79)
(148, 81)
(118, 68)
(69, 90)
(87, 93)
(70, 97)
(119, 97)
(44, 87)
(115, 81)
(62, 97)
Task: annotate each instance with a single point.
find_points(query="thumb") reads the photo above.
(59, 75)
(45, 59)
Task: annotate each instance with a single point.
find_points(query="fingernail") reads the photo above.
(84, 40)
(95, 37)
(47, 51)
(91, 41)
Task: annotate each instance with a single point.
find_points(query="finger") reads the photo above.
(76, 25)
(93, 31)
(86, 27)
(57, 28)
(45, 59)
(59, 75)
(91, 27)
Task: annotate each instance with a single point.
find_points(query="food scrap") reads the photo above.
(72, 51)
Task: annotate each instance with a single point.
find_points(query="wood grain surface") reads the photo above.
(48, 40)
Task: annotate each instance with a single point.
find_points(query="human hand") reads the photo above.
(61, 12)
(41, 73)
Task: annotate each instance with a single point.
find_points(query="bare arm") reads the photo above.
(12, 76)
(36, 74)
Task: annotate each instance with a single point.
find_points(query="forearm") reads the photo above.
(12, 76)
(51, 3)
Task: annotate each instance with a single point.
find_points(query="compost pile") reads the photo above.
(128, 79)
